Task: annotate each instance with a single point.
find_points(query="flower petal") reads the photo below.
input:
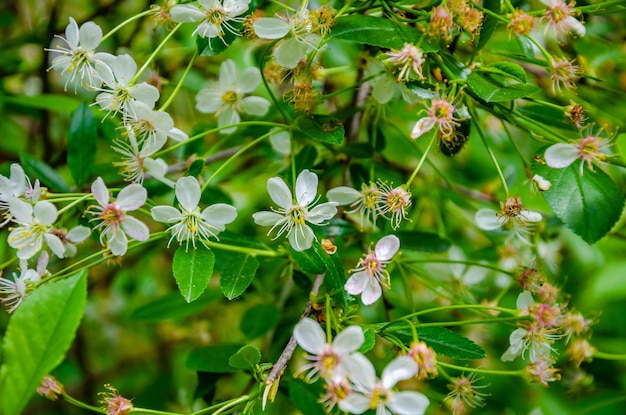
(301, 237)
(487, 220)
(322, 213)
(256, 106)
(356, 283)
(135, 228)
(228, 116)
(55, 244)
(100, 191)
(348, 340)
(387, 247)
(361, 371)
(21, 211)
(228, 73)
(90, 36)
(372, 292)
(132, 197)
(182, 13)
(289, 53)
(343, 195)
(118, 243)
(401, 368)
(45, 212)
(78, 234)
(306, 187)
(165, 214)
(209, 100)
(561, 155)
(310, 336)
(279, 192)
(188, 192)
(248, 80)
(422, 126)
(408, 403)
(219, 215)
(270, 28)
(355, 403)
(266, 218)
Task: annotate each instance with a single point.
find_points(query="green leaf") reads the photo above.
(305, 397)
(378, 31)
(443, 341)
(422, 241)
(322, 128)
(46, 174)
(259, 319)
(335, 277)
(213, 359)
(37, 338)
(192, 271)
(547, 115)
(173, 306)
(60, 103)
(589, 204)
(496, 89)
(246, 358)
(308, 261)
(489, 23)
(370, 341)
(506, 69)
(81, 144)
(237, 275)
(196, 168)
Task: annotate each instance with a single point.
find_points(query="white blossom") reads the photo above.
(215, 16)
(35, 228)
(11, 187)
(13, 292)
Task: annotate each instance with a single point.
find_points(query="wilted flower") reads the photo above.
(290, 51)
(189, 222)
(464, 393)
(370, 273)
(521, 23)
(512, 216)
(292, 217)
(543, 372)
(406, 60)
(35, 228)
(327, 359)
(563, 74)
(580, 351)
(394, 202)
(368, 392)
(114, 223)
(50, 388)
(426, 359)
(123, 96)
(575, 114)
(590, 149)
(226, 98)
(442, 114)
(441, 24)
(368, 202)
(79, 58)
(115, 404)
(559, 17)
(542, 183)
(215, 16)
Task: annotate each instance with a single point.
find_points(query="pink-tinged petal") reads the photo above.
(487, 220)
(408, 403)
(422, 126)
(561, 155)
(310, 336)
(270, 28)
(165, 214)
(182, 13)
(306, 187)
(132, 197)
(118, 244)
(55, 245)
(256, 106)
(135, 228)
(387, 247)
(349, 340)
(301, 237)
(356, 283)
(279, 192)
(401, 368)
(343, 195)
(45, 212)
(228, 73)
(100, 192)
(188, 192)
(372, 292)
(219, 215)
(361, 371)
(78, 234)
(355, 403)
(322, 213)
(90, 35)
(72, 34)
(266, 218)
(21, 211)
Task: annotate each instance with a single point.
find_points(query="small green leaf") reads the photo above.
(370, 341)
(506, 69)
(322, 128)
(46, 174)
(489, 23)
(213, 359)
(81, 144)
(443, 341)
(422, 241)
(589, 204)
(494, 88)
(37, 338)
(378, 31)
(173, 306)
(196, 168)
(246, 358)
(259, 319)
(192, 270)
(237, 275)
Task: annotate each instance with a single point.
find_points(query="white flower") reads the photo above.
(369, 202)
(370, 273)
(154, 127)
(292, 217)
(12, 293)
(214, 16)
(589, 149)
(189, 222)
(70, 238)
(115, 224)
(79, 57)
(123, 96)
(226, 99)
(512, 217)
(11, 187)
(327, 359)
(290, 51)
(135, 154)
(35, 228)
(372, 393)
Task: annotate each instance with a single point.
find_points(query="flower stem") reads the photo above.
(422, 159)
(452, 261)
(74, 203)
(483, 371)
(243, 250)
(608, 356)
(180, 82)
(155, 53)
(124, 23)
(82, 405)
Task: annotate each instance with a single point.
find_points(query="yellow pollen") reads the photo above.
(230, 97)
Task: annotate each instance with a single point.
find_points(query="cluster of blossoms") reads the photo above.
(350, 378)
(451, 17)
